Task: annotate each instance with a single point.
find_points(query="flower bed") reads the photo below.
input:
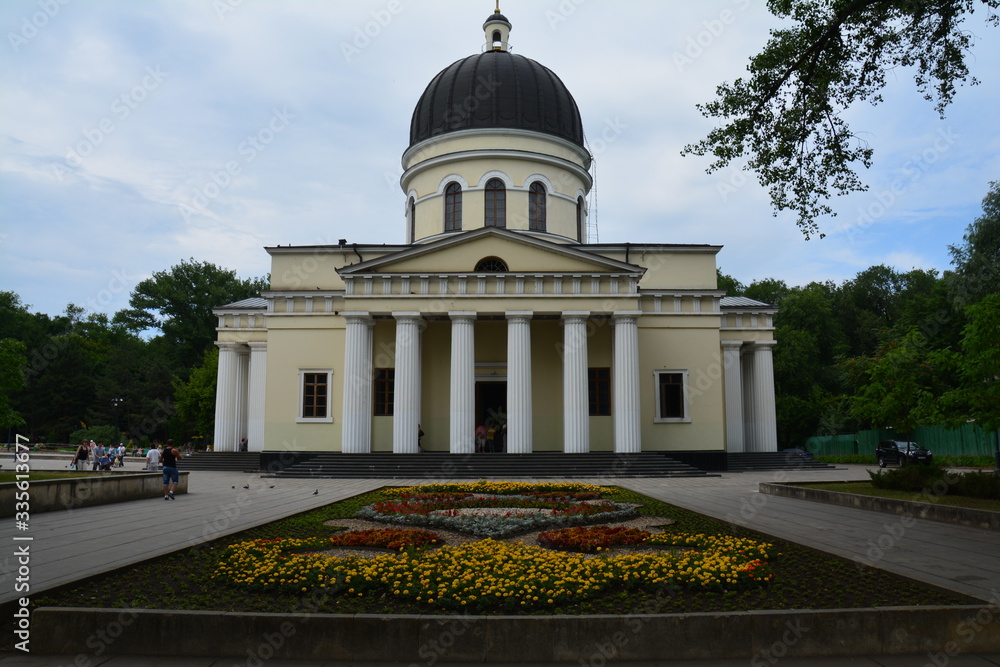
(489, 575)
(589, 540)
(486, 574)
(509, 508)
(389, 538)
(698, 565)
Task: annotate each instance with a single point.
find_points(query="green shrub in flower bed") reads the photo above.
(934, 480)
(794, 578)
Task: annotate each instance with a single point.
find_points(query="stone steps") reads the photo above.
(442, 465)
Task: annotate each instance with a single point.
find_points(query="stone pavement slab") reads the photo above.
(957, 558)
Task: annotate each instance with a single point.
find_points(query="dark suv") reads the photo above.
(901, 452)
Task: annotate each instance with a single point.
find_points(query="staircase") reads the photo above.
(749, 461)
(444, 466)
(232, 461)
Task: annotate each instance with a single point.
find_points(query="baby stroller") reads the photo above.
(105, 464)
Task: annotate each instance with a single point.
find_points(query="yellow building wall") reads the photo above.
(695, 350)
(290, 349)
(673, 270)
(560, 213)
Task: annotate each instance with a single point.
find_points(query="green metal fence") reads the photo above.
(967, 440)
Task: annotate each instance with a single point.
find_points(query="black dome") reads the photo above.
(496, 89)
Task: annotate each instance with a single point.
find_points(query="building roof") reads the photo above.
(496, 90)
(742, 302)
(253, 303)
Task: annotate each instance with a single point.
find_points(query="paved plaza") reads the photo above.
(74, 544)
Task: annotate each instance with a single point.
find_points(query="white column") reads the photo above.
(519, 421)
(242, 391)
(463, 383)
(628, 438)
(734, 395)
(749, 418)
(766, 428)
(357, 384)
(255, 400)
(576, 402)
(225, 399)
(406, 399)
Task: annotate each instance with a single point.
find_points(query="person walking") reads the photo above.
(153, 459)
(81, 456)
(170, 474)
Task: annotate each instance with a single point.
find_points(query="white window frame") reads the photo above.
(329, 397)
(686, 419)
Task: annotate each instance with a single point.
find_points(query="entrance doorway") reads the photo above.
(491, 410)
(491, 402)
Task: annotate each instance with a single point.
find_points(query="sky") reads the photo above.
(135, 135)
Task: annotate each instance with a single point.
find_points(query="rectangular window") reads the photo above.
(314, 395)
(671, 396)
(385, 381)
(599, 391)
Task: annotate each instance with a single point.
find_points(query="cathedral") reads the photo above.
(497, 313)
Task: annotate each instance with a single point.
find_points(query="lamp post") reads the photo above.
(116, 402)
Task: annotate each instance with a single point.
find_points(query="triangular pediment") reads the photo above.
(462, 252)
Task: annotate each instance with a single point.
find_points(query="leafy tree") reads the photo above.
(785, 118)
(13, 363)
(902, 384)
(980, 392)
(195, 398)
(179, 303)
(977, 261)
(768, 290)
(732, 286)
(868, 305)
(809, 339)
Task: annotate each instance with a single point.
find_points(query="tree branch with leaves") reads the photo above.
(785, 117)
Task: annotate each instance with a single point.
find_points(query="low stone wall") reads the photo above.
(47, 495)
(962, 516)
(757, 635)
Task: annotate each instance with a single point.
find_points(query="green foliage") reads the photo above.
(977, 485)
(179, 303)
(914, 478)
(856, 459)
(977, 261)
(980, 393)
(105, 434)
(902, 384)
(195, 398)
(13, 363)
(726, 282)
(787, 117)
(934, 480)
